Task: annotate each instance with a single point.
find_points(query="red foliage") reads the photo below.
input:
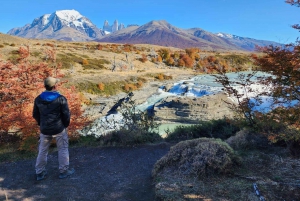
(19, 85)
(99, 47)
(144, 58)
(293, 2)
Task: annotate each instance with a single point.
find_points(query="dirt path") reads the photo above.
(102, 174)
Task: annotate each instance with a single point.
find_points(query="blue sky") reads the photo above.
(259, 19)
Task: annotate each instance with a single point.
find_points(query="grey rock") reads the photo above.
(191, 110)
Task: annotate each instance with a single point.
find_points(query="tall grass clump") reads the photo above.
(200, 157)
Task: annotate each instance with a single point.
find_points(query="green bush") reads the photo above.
(127, 137)
(111, 88)
(10, 152)
(236, 59)
(14, 58)
(68, 59)
(159, 76)
(247, 139)
(35, 54)
(221, 128)
(96, 64)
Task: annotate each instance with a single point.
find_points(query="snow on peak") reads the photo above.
(224, 35)
(45, 19)
(68, 15)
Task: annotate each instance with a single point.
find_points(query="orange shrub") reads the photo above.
(101, 86)
(85, 62)
(139, 84)
(129, 87)
(181, 62)
(144, 58)
(99, 47)
(159, 59)
(188, 61)
(160, 76)
(170, 61)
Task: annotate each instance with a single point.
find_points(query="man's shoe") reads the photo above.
(66, 173)
(41, 175)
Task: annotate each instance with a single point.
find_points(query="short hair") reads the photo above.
(49, 88)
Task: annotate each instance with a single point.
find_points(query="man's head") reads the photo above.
(50, 83)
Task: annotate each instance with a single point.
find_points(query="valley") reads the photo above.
(103, 73)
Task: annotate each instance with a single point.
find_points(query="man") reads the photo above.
(52, 114)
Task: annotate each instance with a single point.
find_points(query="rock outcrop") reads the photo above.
(191, 110)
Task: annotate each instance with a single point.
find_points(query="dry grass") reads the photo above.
(271, 168)
(199, 157)
(128, 61)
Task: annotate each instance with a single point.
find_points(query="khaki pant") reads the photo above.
(62, 142)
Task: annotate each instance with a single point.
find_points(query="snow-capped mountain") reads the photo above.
(62, 25)
(245, 42)
(225, 35)
(70, 25)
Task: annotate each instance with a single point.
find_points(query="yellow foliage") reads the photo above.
(139, 84)
(160, 77)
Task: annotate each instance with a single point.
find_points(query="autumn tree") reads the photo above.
(19, 84)
(170, 61)
(281, 124)
(159, 59)
(144, 58)
(99, 47)
(164, 53)
(181, 62)
(193, 53)
(294, 3)
(188, 61)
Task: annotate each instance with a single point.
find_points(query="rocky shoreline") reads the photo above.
(169, 110)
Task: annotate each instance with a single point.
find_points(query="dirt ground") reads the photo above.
(106, 174)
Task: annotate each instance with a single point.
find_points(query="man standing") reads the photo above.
(52, 114)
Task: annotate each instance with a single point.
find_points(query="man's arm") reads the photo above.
(65, 112)
(36, 113)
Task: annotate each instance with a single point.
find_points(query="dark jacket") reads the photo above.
(51, 112)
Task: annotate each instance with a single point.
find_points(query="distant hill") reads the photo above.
(164, 34)
(5, 38)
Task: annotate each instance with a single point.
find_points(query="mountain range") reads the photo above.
(70, 25)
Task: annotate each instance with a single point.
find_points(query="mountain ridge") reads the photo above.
(70, 25)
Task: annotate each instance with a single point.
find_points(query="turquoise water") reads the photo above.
(169, 127)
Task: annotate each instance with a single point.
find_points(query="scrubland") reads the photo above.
(216, 160)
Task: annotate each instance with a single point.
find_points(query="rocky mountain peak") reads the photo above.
(113, 28)
(70, 23)
(68, 15)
